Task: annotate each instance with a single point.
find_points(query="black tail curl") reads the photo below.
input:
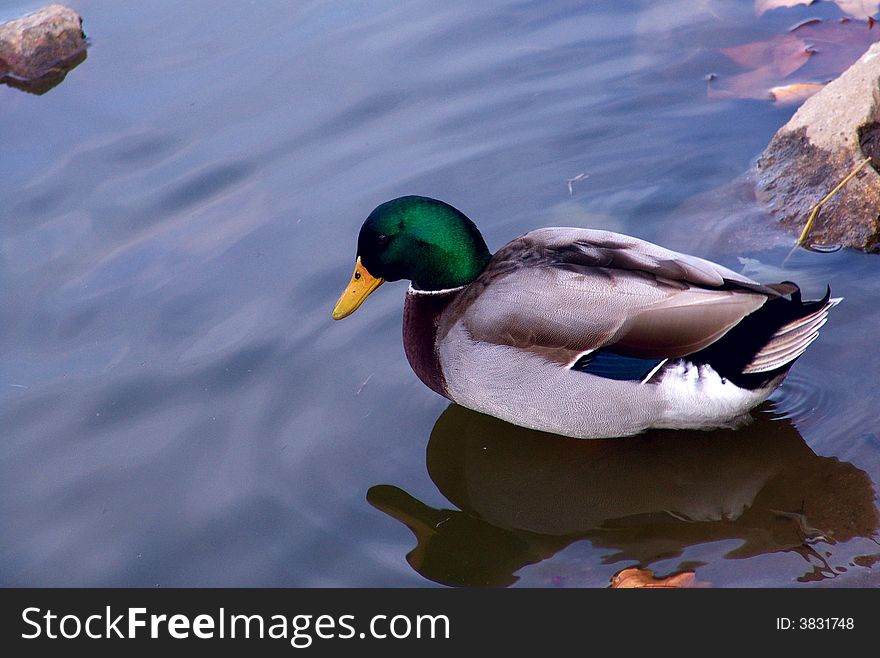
(749, 340)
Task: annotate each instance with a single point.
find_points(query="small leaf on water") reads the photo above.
(763, 6)
(794, 93)
(784, 54)
(863, 9)
(632, 577)
(814, 50)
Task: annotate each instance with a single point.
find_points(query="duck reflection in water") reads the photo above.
(523, 495)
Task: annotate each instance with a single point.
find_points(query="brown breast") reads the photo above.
(421, 315)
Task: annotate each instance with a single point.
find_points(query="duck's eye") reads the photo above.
(357, 276)
(382, 238)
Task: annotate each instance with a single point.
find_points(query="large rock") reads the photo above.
(41, 44)
(826, 139)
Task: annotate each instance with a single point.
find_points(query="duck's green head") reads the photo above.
(424, 240)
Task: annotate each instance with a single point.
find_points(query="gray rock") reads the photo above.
(826, 139)
(41, 45)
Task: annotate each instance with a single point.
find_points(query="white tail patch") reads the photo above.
(697, 396)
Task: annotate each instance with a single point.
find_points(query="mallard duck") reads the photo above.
(580, 332)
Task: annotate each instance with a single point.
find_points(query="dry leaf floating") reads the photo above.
(794, 93)
(763, 6)
(632, 578)
(787, 68)
(861, 9)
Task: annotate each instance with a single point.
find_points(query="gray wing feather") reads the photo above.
(618, 251)
(561, 292)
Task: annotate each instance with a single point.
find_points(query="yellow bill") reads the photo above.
(359, 288)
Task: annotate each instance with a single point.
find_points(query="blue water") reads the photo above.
(179, 215)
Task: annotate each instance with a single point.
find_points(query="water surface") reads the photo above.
(180, 214)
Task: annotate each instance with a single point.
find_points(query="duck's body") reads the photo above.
(593, 334)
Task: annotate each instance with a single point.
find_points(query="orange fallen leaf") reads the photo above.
(794, 93)
(763, 6)
(632, 577)
(862, 9)
(752, 84)
(784, 54)
(814, 50)
(836, 44)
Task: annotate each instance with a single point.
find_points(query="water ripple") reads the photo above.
(801, 398)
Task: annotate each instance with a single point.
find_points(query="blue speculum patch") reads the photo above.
(615, 366)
